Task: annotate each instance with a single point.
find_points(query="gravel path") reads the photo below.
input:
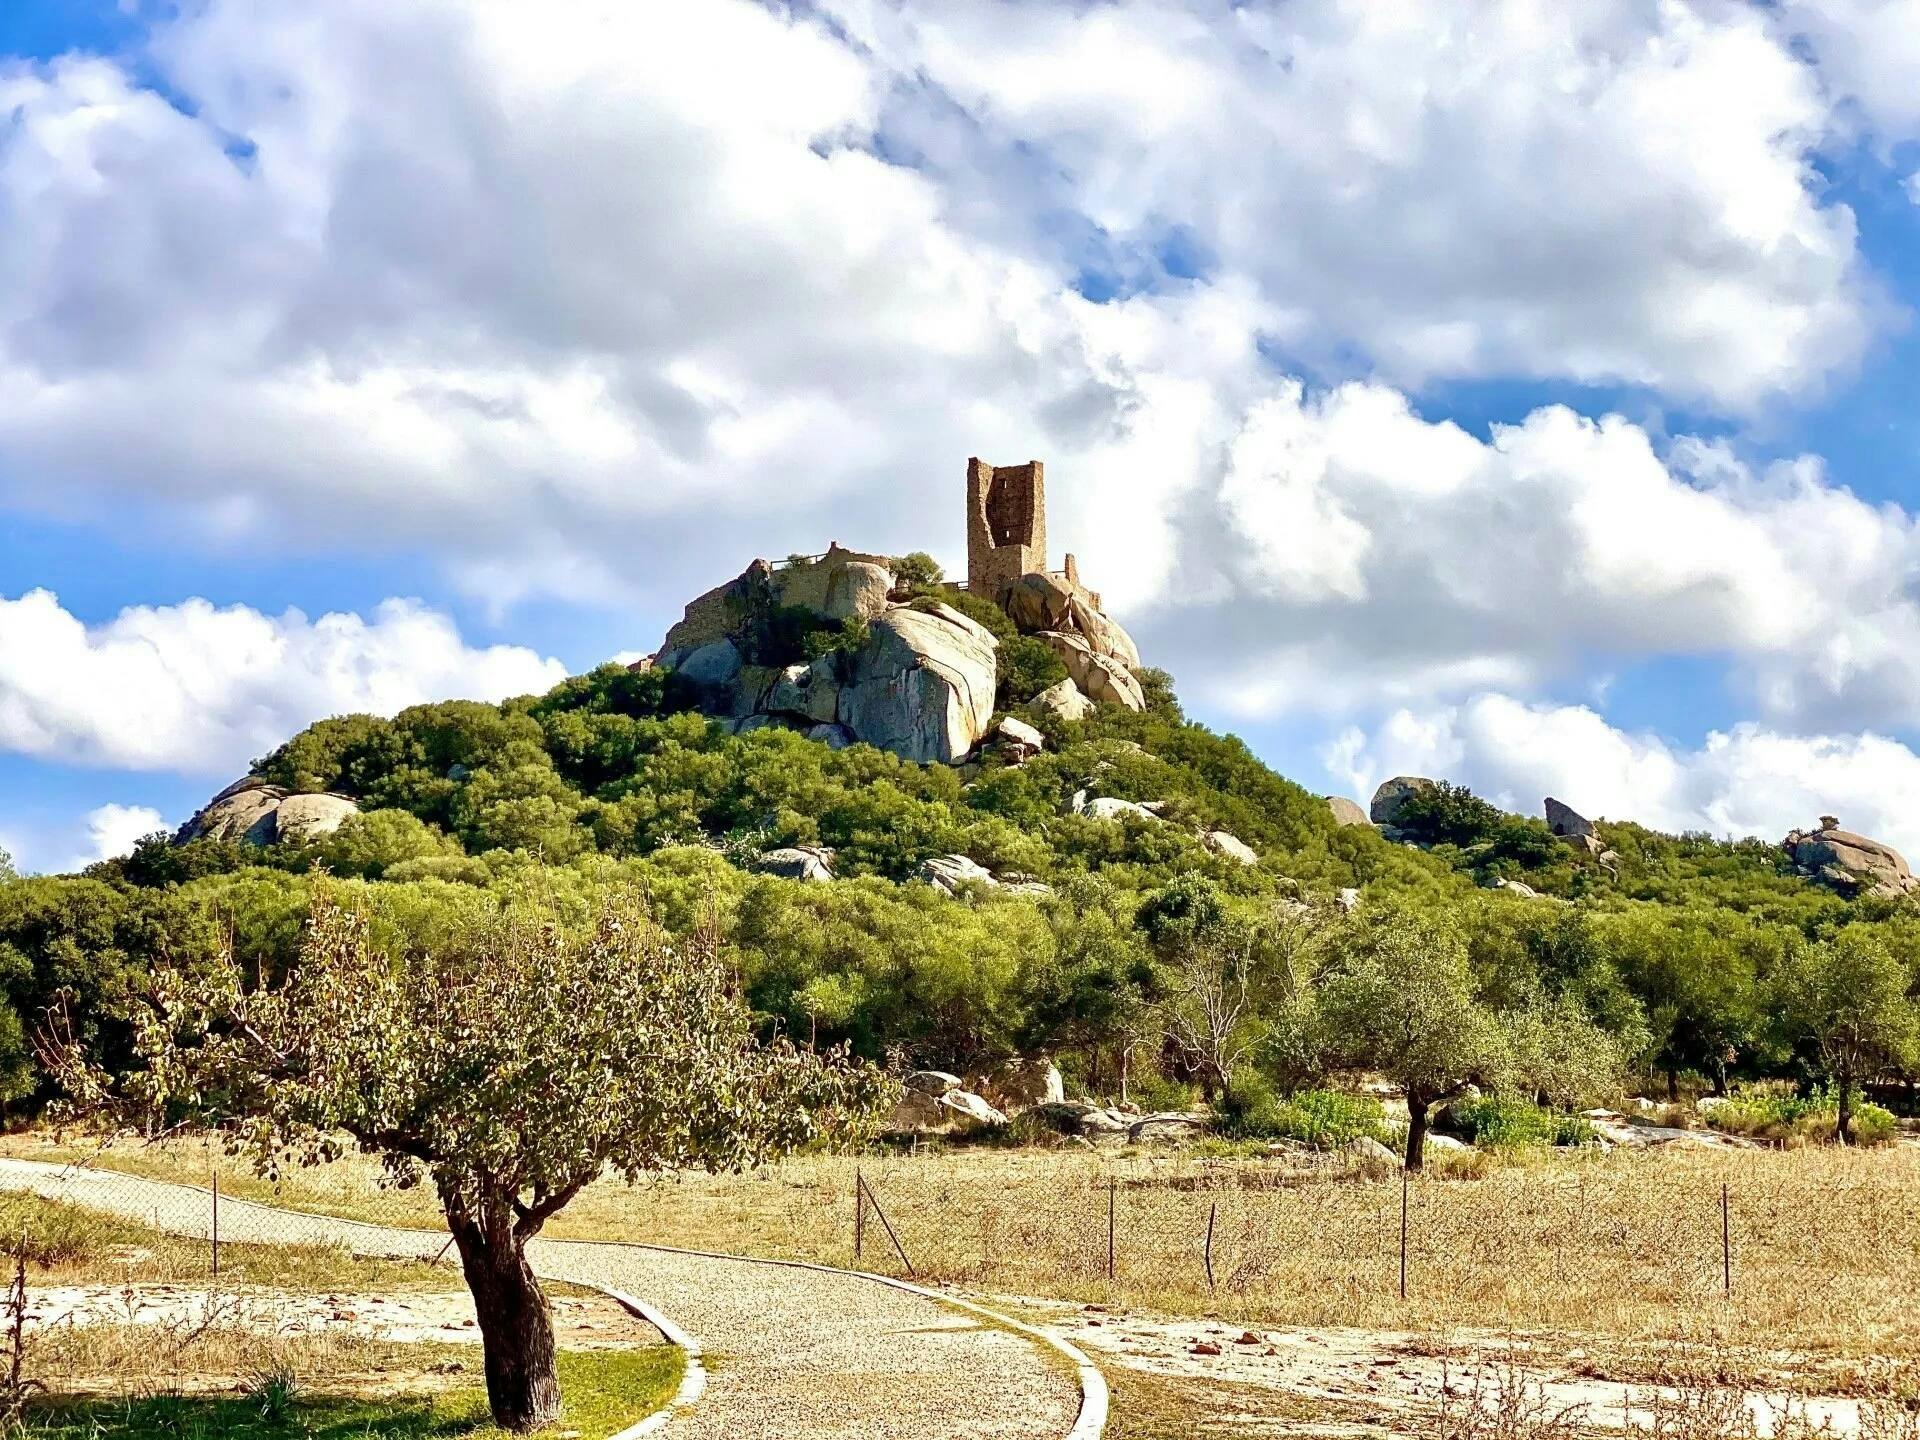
(791, 1352)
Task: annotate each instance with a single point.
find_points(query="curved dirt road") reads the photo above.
(793, 1353)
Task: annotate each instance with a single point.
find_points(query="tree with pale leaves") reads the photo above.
(1849, 997)
(508, 1069)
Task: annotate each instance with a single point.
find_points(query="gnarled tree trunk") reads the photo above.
(1419, 1119)
(516, 1328)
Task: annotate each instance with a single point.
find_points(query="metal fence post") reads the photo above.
(1405, 1185)
(1213, 1213)
(859, 1214)
(1726, 1240)
(216, 1222)
(1112, 1186)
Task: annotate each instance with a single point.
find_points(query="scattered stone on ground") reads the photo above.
(1399, 1374)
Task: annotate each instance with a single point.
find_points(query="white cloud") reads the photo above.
(113, 828)
(1371, 555)
(597, 300)
(1868, 53)
(198, 689)
(591, 300)
(1746, 780)
(1613, 190)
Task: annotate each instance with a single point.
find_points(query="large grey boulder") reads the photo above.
(810, 863)
(1393, 794)
(244, 811)
(1101, 678)
(840, 585)
(1107, 807)
(950, 874)
(834, 737)
(810, 692)
(922, 687)
(301, 819)
(1345, 811)
(932, 1082)
(1063, 701)
(713, 670)
(1222, 842)
(1023, 1084)
(1170, 1126)
(1849, 862)
(1567, 822)
(1017, 740)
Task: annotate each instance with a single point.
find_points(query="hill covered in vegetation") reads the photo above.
(949, 830)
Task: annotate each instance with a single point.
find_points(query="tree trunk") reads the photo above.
(1673, 1085)
(1843, 1121)
(516, 1328)
(1419, 1119)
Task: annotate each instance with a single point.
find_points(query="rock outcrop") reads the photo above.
(1223, 842)
(811, 863)
(1345, 811)
(1021, 1084)
(255, 812)
(1062, 701)
(1393, 794)
(1566, 822)
(1850, 863)
(304, 818)
(1106, 807)
(932, 1100)
(1101, 678)
(923, 685)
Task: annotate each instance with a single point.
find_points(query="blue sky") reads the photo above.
(1526, 401)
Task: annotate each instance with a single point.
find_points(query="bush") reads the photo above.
(1027, 667)
(1773, 1113)
(1506, 1121)
(1324, 1119)
(1449, 815)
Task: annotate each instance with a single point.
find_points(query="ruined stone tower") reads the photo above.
(1006, 524)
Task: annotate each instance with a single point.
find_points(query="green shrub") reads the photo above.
(1325, 1119)
(1506, 1121)
(1026, 668)
(917, 568)
(1774, 1113)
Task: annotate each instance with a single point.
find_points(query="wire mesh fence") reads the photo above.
(1800, 1242)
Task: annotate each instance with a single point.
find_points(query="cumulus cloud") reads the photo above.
(1614, 190)
(587, 300)
(1868, 53)
(1373, 555)
(1745, 780)
(575, 297)
(199, 689)
(113, 828)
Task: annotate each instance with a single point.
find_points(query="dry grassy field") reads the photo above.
(1824, 1244)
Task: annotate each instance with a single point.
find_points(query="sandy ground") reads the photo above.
(1381, 1371)
(580, 1322)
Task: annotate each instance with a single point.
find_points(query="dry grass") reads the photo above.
(1624, 1247)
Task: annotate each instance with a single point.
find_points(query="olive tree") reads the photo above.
(1848, 996)
(507, 1068)
(1399, 997)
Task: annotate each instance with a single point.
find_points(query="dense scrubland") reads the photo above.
(1150, 964)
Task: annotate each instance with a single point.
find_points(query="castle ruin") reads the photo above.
(1007, 528)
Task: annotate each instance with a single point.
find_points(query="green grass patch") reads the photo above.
(1503, 1122)
(604, 1392)
(1774, 1112)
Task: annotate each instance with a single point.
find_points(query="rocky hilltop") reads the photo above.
(840, 647)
